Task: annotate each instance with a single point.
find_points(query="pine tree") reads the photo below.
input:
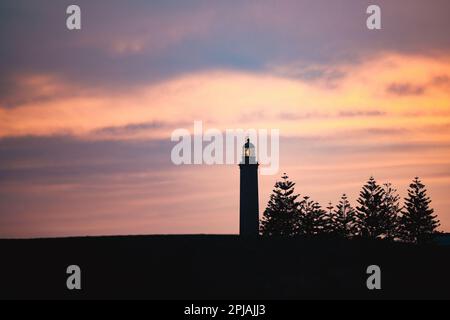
(391, 211)
(345, 219)
(330, 223)
(312, 218)
(418, 224)
(370, 212)
(282, 213)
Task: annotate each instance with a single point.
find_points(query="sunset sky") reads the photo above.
(86, 116)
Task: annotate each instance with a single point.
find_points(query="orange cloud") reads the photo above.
(227, 99)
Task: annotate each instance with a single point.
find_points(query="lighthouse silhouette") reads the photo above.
(248, 202)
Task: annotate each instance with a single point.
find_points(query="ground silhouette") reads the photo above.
(221, 267)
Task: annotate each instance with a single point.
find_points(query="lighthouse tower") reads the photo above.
(248, 205)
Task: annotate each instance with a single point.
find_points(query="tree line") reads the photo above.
(378, 214)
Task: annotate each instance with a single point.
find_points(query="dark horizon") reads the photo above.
(233, 268)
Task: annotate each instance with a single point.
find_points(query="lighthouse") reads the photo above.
(248, 202)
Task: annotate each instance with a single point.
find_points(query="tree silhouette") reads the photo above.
(313, 218)
(329, 221)
(391, 210)
(418, 224)
(370, 212)
(376, 217)
(345, 220)
(282, 213)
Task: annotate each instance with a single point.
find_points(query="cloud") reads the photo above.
(235, 99)
(361, 113)
(134, 131)
(441, 81)
(292, 116)
(123, 46)
(328, 75)
(405, 89)
(351, 113)
(57, 159)
(386, 131)
(26, 89)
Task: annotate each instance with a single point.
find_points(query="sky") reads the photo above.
(86, 116)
